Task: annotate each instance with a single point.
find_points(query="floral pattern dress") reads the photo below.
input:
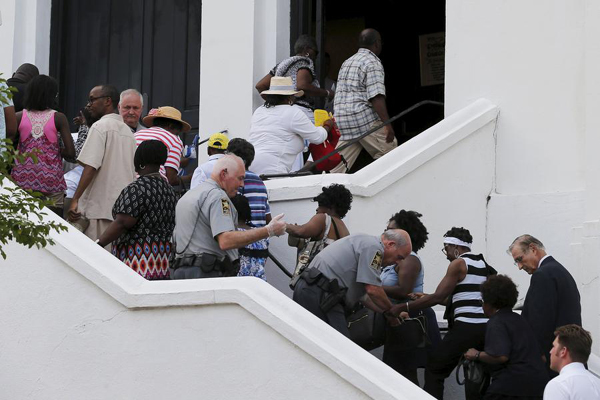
(147, 246)
(250, 265)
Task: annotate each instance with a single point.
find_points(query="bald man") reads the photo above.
(205, 225)
(348, 271)
(359, 102)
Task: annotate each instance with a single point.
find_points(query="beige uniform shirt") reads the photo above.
(109, 148)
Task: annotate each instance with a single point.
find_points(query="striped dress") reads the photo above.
(466, 297)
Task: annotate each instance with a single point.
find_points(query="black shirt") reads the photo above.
(524, 374)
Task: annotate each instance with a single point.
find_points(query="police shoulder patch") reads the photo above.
(377, 261)
(225, 208)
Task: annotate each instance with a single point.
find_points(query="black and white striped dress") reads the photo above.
(466, 298)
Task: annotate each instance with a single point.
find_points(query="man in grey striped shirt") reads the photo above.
(459, 290)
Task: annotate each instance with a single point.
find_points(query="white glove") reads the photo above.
(277, 226)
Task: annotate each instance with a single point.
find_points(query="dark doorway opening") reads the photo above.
(150, 45)
(413, 34)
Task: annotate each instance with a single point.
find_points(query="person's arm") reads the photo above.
(10, 120)
(62, 125)
(312, 229)
(238, 239)
(304, 81)
(12, 135)
(264, 83)
(380, 108)
(301, 126)
(408, 272)
(474, 354)
(378, 298)
(122, 223)
(172, 176)
(87, 176)
(457, 271)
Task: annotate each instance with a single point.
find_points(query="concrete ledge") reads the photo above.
(395, 165)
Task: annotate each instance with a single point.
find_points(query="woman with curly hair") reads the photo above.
(511, 349)
(333, 205)
(399, 280)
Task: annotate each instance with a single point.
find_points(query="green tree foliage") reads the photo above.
(21, 211)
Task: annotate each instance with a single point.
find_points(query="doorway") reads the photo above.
(413, 34)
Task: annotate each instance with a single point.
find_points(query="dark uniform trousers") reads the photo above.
(444, 359)
(309, 297)
(191, 272)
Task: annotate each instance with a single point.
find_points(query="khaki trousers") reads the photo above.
(374, 144)
(96, 228)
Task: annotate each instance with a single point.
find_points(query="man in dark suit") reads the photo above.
(553, 298)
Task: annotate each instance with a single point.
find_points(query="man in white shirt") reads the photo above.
(570, 351)
(217, 146)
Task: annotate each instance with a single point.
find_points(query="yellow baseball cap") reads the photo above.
(218, 141)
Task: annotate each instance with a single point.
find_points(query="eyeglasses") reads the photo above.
(93, 99)
(519, 260)
(445, 250)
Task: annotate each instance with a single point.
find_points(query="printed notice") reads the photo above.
(432, 50)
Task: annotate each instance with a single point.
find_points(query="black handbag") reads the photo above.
(367, 328)
(472, 370)
(411, 333)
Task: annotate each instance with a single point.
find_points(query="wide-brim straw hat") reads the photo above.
(283, 86)
(165, 112)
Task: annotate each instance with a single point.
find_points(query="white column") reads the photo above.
(241, 41)
(7, 33)
(32, 34)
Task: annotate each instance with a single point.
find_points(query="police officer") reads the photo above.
(205, 232)
(347, 271)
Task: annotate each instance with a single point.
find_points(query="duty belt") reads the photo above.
(194, 260)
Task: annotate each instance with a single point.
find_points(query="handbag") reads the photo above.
(472, 370)
(366, 327)
(309, 251)
(411, 333)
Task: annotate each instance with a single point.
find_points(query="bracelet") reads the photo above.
(328, 92)
(477, 356)
(407, 309)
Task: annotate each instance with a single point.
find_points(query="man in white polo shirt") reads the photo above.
(570, 351)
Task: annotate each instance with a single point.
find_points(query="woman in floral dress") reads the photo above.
(253, 257)
(144, 216)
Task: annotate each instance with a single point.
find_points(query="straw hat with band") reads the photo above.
(283, 86)
(165, 112)
(218, 141)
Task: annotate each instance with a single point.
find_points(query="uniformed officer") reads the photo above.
(347, 271)
(205, 232)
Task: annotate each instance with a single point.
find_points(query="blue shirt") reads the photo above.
(256, 192)
(389, 277)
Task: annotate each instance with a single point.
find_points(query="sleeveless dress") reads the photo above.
(37, 133)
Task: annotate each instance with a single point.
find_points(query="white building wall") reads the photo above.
(538, 62)
(25, 35)
(238, 50)
(77, 323)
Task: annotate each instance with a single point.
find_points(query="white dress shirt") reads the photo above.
(203, 171)
(573, 383)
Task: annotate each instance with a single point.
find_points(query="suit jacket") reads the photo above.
(552, 301)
